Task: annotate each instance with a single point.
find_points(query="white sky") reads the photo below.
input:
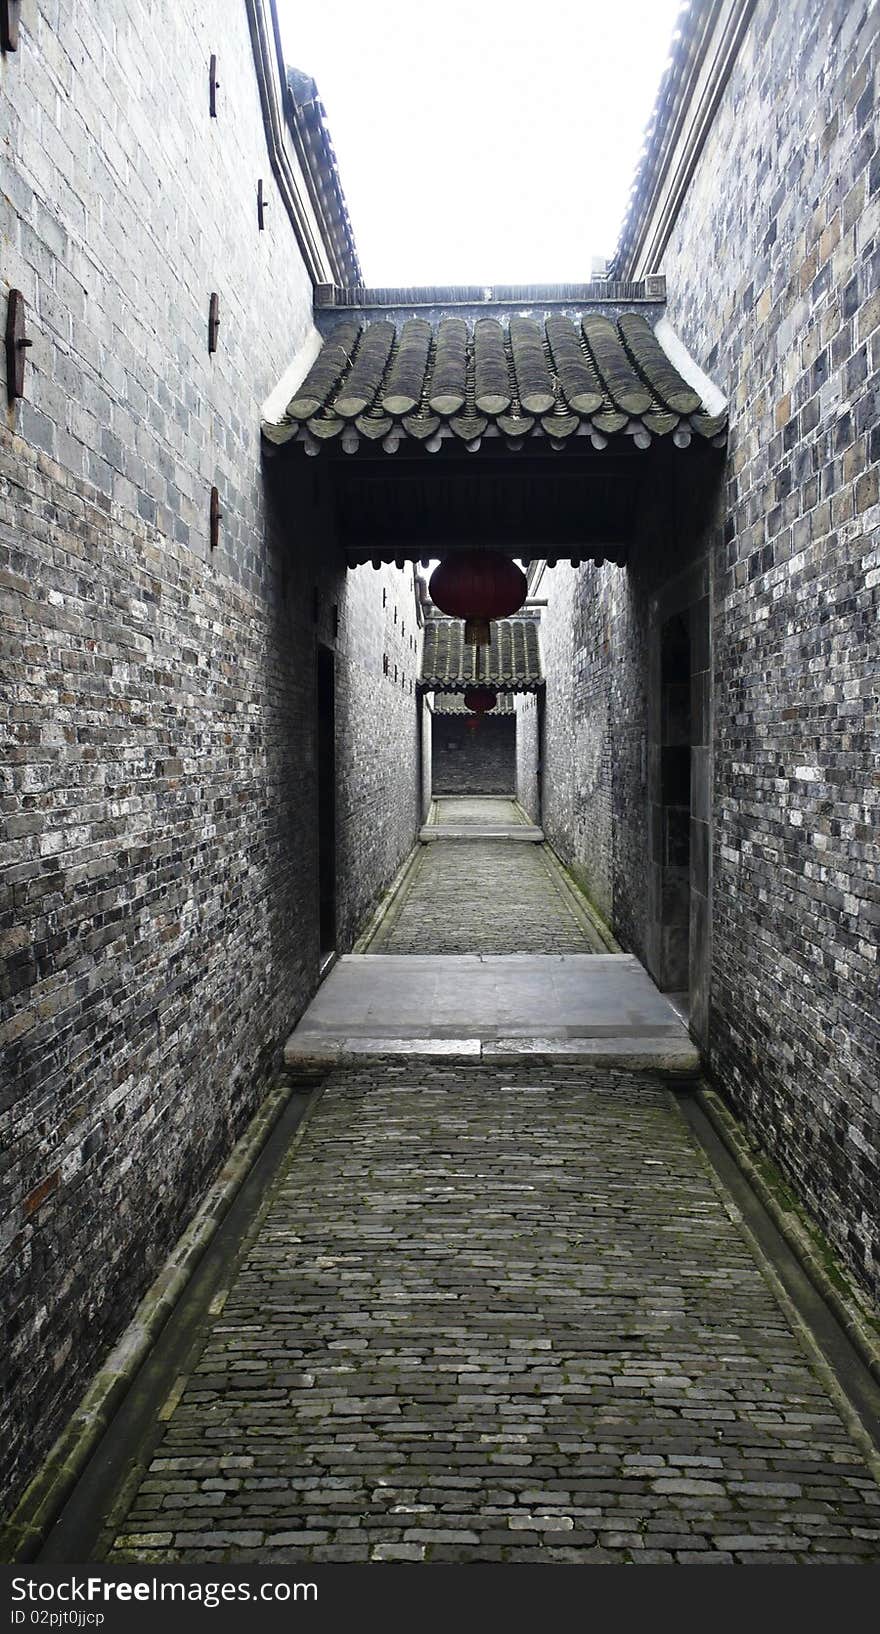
(483, 141)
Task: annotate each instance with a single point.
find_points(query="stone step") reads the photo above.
(306, 1057)
(476, 831)
(596, 1009)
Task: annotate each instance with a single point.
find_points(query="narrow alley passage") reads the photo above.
(499, 1313)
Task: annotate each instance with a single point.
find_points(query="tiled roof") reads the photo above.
(378, 381)
(307, 118)
(452, 703)
(511, 661)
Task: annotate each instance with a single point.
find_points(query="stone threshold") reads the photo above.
(669, 1059)
(477, 831)
(599, 1009)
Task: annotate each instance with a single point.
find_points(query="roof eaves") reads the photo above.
(706, 39)
(320, 224)
(511, 663)
(307, 118)
(433, 376)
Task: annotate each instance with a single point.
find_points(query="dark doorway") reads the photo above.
(675, 801)
(326, 686)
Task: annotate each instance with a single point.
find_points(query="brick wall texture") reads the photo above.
(470, 759)
(795, 311)
(577, 769)
(772, 271)
(528, 754)
(159, 911)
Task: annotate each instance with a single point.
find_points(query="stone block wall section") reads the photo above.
(469, 759)
(159, 785)
(786, 313)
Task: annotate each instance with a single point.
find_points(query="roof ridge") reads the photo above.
(363, 296)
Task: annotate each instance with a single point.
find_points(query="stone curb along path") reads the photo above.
(842, 1299)
(494, 1315)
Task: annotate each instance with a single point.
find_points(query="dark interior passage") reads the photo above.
(326, 746)
(675, 801)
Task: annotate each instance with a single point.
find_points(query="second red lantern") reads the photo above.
(478, 585)
(480, 699)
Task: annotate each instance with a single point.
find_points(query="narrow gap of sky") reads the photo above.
(483, 141)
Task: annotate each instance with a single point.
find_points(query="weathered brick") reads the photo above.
(766, 918)
(160, 774)
(471, 757)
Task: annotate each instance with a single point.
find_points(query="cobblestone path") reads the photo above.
(499, 1316)
(483, 896)
(475, 808)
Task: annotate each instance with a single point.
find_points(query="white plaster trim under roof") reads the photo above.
(274, 425)
(714, 400)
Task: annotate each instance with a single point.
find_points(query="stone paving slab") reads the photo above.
(501, 1315)
(585, 1006)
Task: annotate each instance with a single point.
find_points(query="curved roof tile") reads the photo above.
(557, 378)
(511, 662)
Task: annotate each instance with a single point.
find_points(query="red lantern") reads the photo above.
(478, 585)
(480, 699)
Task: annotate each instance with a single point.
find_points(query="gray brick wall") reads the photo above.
(772, 273)
(577, 791)
(117, 226)
(159, 889)
(473, 757)
(600, 636)
(788, 318)
(528, 754)
(426, 728)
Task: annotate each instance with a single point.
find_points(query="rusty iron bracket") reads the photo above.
(16, 345)
(213, 321)
(9, 19)
(216, 514)
(262, 205)
(213, 82)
